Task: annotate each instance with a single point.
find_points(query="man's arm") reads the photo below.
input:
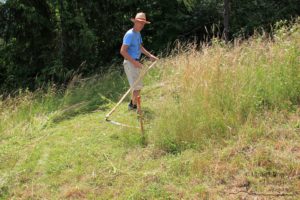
(148, 54)
(124, 53)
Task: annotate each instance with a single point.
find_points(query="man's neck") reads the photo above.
(135, 30)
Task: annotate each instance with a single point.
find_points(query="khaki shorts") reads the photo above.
(132, 74)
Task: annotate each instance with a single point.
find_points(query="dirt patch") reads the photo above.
(75, 193)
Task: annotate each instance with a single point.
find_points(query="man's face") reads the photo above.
(139, 25)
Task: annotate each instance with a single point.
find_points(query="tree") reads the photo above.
(44, 41)
(226, 20)
(29, 36)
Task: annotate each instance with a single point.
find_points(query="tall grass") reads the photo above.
(214, 92)
(80, 96)
(25, 117)
(239, 103)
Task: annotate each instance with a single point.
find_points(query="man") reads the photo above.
(131, 50)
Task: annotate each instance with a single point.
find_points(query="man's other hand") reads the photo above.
(153, 58)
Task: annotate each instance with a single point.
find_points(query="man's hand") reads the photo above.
(137, 64)
(153, 58)
(148, 54)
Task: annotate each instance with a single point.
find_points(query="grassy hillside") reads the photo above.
(222, 122)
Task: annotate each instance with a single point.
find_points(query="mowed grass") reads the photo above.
(221, 122)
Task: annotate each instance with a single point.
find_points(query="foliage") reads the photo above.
(28, 33)
(52, 40)
(247, 16)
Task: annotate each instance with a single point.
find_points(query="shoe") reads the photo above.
(131, 106)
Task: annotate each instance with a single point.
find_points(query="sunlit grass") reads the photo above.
(221, 122)
(214, 92)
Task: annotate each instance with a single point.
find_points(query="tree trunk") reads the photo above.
(62, 31)
(226, 20)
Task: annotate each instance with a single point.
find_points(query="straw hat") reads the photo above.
(141, 17)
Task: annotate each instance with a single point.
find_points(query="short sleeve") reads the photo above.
(127, 39)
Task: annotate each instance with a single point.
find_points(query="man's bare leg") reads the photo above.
(135, 94)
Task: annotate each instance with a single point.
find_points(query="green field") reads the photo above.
(221, 122)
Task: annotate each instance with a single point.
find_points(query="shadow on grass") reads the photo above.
(96, 93)
(148, 114)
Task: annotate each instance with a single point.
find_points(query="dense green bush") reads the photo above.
(52, 40)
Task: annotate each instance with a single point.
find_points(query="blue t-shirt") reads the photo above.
(133, 40)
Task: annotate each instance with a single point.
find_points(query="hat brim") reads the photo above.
(140, 20)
